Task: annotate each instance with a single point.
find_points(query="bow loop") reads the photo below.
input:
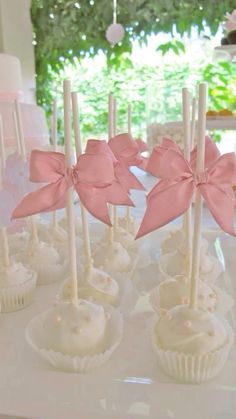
(173, 194)
(46, 166)
(96, 170)
(128, 150)
(92, 177)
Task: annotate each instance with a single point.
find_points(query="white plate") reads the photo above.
(130, 385)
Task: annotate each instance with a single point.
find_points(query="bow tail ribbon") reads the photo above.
(127, 178)
(167, 200)
(221, 203)
(142, 163)
(94, 200)
(116, 195)
(48, 198)
(142, 146)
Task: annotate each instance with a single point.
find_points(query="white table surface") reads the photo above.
(130, 385)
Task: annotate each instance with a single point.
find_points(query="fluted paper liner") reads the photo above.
(17, 297)
(193, 369)
(36, 339)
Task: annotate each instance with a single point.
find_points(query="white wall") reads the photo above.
(16, 39)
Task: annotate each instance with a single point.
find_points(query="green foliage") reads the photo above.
(65, 29)
(221, 79)
(153, 91)
(176, 46)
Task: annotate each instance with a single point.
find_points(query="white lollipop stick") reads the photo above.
(5, 245)
(129, 132)
(70, 202)
(110, 135)
(78, 147)
(115, 218)
(193, 122)
(54, 146)
(24, 158)
(187, 141)
(20, 129)
(201, 128)
(18, 146)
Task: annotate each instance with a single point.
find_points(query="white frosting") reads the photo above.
(43, 259)
(131, 227)
(172, 241)
(175, 291)
(203, 249)
(40, 255)
(51, 234)
(176, 241)
(18, 241)
(100, 281)
(14, 275)
(190, 331)
(121, 236)
(96, 285)
(75, 329)
(175, 263)
(112, 257)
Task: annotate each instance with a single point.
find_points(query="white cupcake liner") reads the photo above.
(224, 303)
(17, 297)
(168, 269)
(114, 333)
(193, 369)
(126, 300)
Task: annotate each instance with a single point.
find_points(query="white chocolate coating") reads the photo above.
(131, 227)
(44, 259)
(100, 286)
(175, 291)
(176, 241)
(14, 275)
(41, 253)
(75, 329)
(97, 285)
(113, 257)
(190, 331)
(121, 236)
(50, 234)
(18, 241)
(175, 263)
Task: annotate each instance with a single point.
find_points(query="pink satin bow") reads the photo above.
(172, 195)
(154, 163)
(128, 153)
(95, 147)
(123, 176)
(92, 177)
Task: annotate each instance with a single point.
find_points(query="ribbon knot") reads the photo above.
(173, 194)
(200, 178)
(92, 178)
(73, 175)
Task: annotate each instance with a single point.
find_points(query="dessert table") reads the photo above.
(130, 384)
